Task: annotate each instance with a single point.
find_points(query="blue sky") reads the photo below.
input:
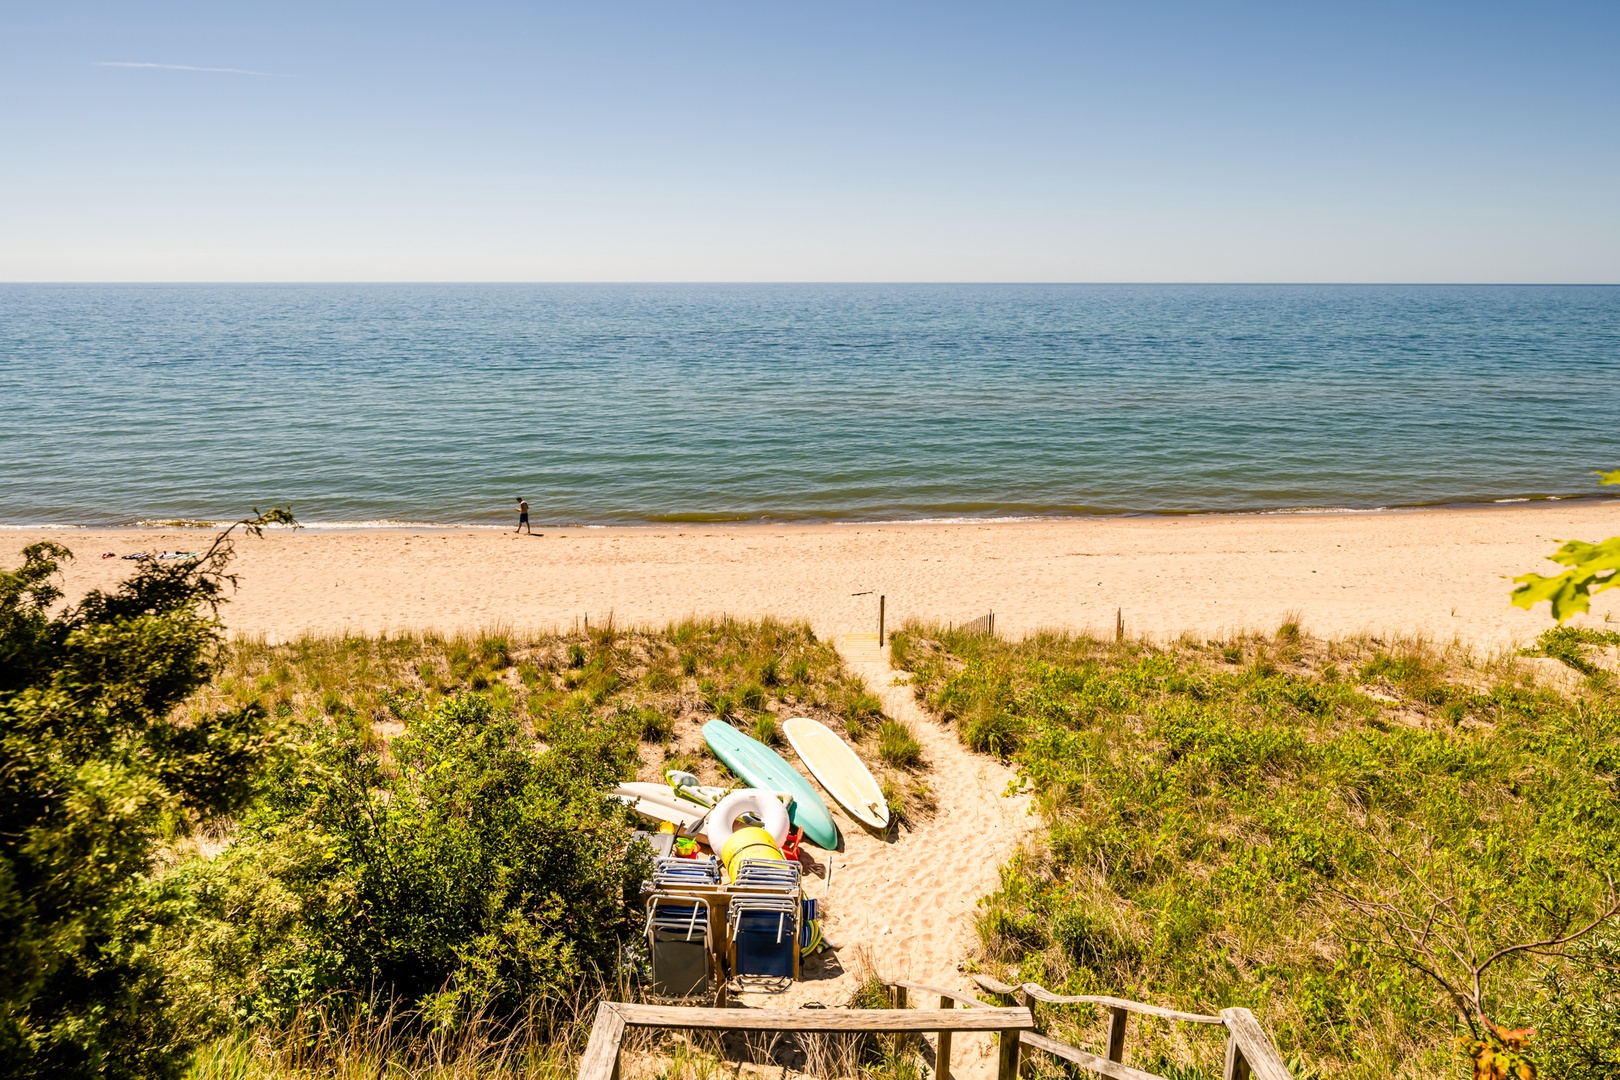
(828, 141)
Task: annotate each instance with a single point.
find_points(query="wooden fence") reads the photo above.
(1248, 1052)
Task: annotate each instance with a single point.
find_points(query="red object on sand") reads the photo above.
(790, 846)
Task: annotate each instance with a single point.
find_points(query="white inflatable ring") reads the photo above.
(773, 816)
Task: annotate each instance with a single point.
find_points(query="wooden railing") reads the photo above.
(1248, 1052)
(601, 1060)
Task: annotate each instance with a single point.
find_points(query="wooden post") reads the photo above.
(1027, 1000)
(942, 1056)
(901, 1039)
(1119, 624)
(881, 601)
(1007, 1063)
(1116, 1034)
(1236, 1067)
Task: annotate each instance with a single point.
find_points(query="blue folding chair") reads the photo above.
(678, 946)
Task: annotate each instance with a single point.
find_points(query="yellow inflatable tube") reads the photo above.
(749, 843)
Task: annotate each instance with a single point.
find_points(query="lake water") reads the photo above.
(657, 403)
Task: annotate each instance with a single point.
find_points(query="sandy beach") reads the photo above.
(1442, 573)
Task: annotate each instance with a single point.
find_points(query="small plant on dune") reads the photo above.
(767, 671)
(689, 663)
(898, 745)
(751, 696)
(766, 729)
(1571, 646)
(859, 708)
(661, 680)
(652, 725)
(576, 654)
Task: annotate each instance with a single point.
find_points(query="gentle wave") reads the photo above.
(437, 406)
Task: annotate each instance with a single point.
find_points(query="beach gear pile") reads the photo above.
(725, 906)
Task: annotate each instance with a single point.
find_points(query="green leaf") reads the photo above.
(1592, 568)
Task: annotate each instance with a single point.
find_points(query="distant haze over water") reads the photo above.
(662, 403)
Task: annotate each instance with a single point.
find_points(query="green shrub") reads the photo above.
(94, 770)
(470, 873)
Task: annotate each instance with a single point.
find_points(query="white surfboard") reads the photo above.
(835, 766)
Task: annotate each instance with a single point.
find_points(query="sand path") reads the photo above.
(909, 901)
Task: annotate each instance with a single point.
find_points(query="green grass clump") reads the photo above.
(898, 745)
(767, 730)
(1221, 833)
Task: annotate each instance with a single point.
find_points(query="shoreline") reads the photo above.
(390, 525)
(1443, 574)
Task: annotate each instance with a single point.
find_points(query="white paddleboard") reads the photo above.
(836, 768)
(656, 802)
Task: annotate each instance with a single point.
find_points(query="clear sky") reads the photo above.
(714, 140)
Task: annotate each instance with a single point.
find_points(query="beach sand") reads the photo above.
(1441, 573)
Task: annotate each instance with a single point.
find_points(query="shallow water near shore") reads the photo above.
(689, 403)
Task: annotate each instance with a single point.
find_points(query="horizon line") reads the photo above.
(790, 281)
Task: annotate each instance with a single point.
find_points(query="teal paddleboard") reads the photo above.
(762, 767)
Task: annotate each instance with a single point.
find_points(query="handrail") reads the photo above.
(1249, 1053)
(613, 1018)
(1040, 993)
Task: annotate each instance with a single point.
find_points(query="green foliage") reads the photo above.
(1592, 569)
(1577, 1014)
(1570, 644)
(1219, 835)
(462, 868)
(94, 770)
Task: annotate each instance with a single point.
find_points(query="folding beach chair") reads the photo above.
(678, 945)
(678, 873)
(776, 875)
(763, 932)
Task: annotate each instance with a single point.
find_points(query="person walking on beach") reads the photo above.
(523, 517)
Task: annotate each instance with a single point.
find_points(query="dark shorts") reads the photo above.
(522, 518)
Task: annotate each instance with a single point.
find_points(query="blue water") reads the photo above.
(608, 403)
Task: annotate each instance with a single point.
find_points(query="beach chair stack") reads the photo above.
(703, 934)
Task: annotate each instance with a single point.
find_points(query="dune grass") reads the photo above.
(1234, 822)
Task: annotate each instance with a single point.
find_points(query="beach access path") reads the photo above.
(903, 904)
(1443, 573)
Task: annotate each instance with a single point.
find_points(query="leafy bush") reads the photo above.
(93, 771)
(463, 869)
